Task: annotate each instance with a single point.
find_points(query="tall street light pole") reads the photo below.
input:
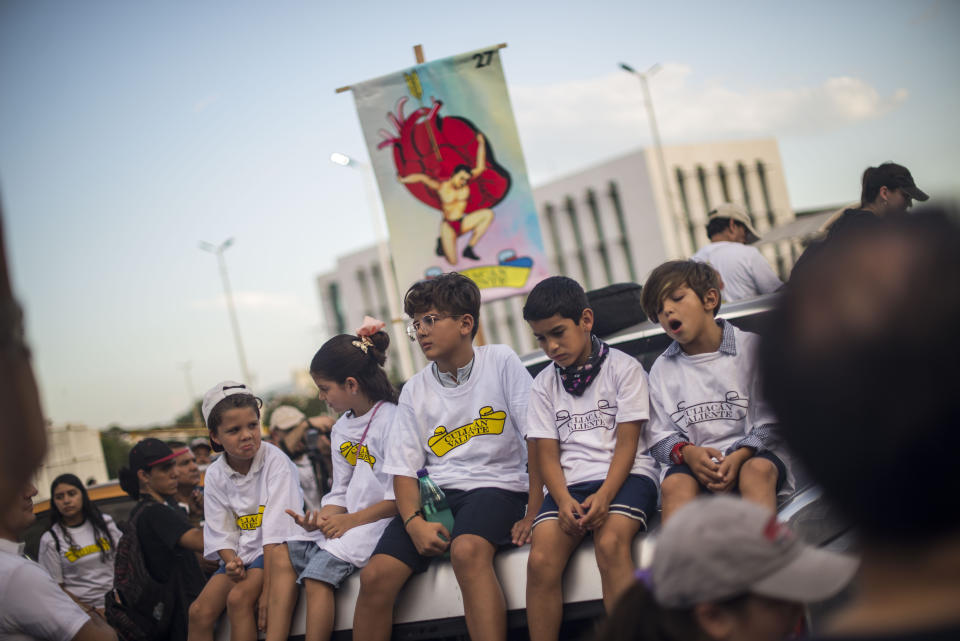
(654, 132)
(386, 265)
(218, 250)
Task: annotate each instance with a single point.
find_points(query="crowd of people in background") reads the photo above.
(851, 379)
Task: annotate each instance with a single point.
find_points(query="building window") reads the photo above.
(762, 175)
(614, 194)
(549, 214)
(742, 173)
(380, 286)
(724, 186)
(333, 293)
(578, 238)
(704, 192)
(601, 238)
(682, 190)
(365, 292)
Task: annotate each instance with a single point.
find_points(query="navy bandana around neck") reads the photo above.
(575, 379)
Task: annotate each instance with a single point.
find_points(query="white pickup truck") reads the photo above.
(431, 605)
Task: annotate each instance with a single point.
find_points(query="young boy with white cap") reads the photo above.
(247, 492)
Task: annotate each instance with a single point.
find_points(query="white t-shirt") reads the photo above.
(244, 512)
(710, 400)
(359, 481)
(80, 569)
(744, 270)
(32, 605)
(469, 436)
(586, 425)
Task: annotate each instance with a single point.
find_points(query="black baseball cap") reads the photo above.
(894, 176)
(150, 452)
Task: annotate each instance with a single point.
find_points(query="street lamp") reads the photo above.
(654, 130)
(218, 250)
(386, 265)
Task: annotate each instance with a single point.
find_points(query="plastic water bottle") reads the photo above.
(434, 502)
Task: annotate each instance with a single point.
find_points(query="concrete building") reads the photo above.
(72, 448)
(609, 223)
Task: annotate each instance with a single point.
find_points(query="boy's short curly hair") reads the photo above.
(451, 293)
(700, 277)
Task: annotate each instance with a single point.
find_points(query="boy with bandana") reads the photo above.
(586, 414)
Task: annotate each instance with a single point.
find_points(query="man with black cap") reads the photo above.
(744, 272)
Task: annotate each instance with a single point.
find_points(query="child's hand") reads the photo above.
(522, 531)
(234, 569)
(570, 514)
(700, 463)
(336, 525)
(310, 521)
(597, 506)
(729, 469)
(431, 539)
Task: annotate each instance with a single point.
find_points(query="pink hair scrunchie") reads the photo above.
(369, 327)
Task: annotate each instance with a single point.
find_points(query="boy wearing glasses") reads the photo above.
(461, 418)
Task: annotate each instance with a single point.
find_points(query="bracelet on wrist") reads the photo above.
(676, 453)
(411, 517)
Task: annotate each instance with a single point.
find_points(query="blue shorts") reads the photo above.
(256, 564)
(486, 512)
(309, 561)
(636, 499)
(683, 468)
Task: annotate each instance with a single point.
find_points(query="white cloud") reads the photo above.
(565, 125)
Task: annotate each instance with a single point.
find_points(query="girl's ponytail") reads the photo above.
(638, 617)
(360, 357)
(129, 482)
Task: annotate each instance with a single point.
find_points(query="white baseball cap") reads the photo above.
(719, 547)
(738, 213)
(219, 392)
(286, 417)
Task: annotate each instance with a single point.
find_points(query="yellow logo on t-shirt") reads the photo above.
(490, 422)
(74, 553)
(251, 521)
(350, 452)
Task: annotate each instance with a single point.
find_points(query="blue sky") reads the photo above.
(131, 131)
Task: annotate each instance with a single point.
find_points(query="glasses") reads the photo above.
(427, 323)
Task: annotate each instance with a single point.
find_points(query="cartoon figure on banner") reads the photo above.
(448, 164)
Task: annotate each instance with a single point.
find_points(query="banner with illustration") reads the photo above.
(444, 147)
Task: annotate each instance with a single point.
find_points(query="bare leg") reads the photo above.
(550, 551)
(483, 602)
(677, 490)
(478, 222)
(448, 239)
(612, 544)
(282, 592)
(380, 583)
(320, 610)
(205, 611)
(240, 606)
(758, 482)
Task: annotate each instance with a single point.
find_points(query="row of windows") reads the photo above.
(579, 250)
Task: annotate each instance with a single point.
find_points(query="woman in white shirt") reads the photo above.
(78, 549)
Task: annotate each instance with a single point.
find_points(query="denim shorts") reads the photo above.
(309, 561)
(256, 564)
